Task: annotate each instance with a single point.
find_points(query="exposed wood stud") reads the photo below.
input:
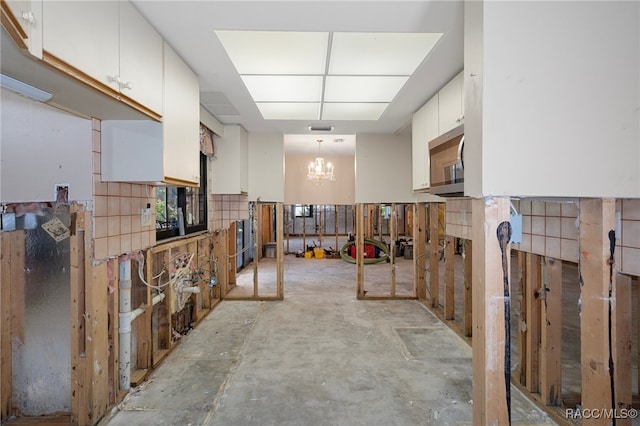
(551, 332)
(622, 344)
(420, 250)
(597, 219)
(490, 399)
(434, 266)
(522, 335)
(533, 283)
(360, 225)
(468, 289)
(279, 250)
(449, 282)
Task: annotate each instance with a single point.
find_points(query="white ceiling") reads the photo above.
(190, 28)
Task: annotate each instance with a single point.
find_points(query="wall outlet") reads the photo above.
(146, 217)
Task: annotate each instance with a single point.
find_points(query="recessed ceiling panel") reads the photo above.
(284, 88)
(289, 110)
(362, 88)
(352, 111)
(379, 53)
(276, 52)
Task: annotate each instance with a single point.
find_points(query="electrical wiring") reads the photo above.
(179, 274)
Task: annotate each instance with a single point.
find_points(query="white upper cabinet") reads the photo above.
(424, 128)
(166, 153)
(141, 59)
(181, 121)
(23, 21)
(451, 103)
(108, 45)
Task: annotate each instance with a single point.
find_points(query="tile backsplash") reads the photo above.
(117, 217)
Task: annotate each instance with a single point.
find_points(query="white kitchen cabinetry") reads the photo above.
(108, 45)
(231, 164)
(451, 104)
(23, 21)
(424, 129)
(166, 153)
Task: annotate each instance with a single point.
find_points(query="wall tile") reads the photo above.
(631, 233)
(552, 247)
(136, 241)
(631, 209)
(538, 208)
(526, 224)
(553, 209)
(125, 189)
(113, 188)
(538, 225)
(125, 224)
(125, 206)
(125, 243)
(569, 250)
(568, 228)
(113, 205)
(99, 187)
(569, 210)
(101, 204)
(552, 228)
(525, 207)
(114, 246)
(537, 244)
(631, 260)
(113, 225)
(101, 227)
(96, 124)
(97, 165)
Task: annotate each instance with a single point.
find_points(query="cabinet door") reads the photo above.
(424, 129)
(181, 121)
(23, 20)
(451, 105)
(85, 35)
(140, 59)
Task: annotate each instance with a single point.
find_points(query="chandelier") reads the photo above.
(319, 171)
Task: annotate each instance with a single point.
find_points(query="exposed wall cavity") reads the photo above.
(42, 353)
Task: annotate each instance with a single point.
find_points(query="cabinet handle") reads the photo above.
(28, 16)
(118, 80)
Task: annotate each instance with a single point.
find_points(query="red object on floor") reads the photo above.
(369, 251)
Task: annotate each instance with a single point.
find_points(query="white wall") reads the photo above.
(266, 167)
(43, 146)
(299, 190)
(383, 168)
(560, 99)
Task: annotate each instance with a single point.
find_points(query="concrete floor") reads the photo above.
(320, 357)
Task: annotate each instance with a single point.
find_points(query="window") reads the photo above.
(303, 210)
(180, 208)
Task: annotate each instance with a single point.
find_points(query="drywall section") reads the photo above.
(383, 168)
(300, 190)
(559, 107)
(266, 167)
(43, 147)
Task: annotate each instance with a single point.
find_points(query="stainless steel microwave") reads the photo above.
(446, 162)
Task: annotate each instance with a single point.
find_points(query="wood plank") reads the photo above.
(256, 256)
(522, 334)
(420, 250)
(114, 337)
(231, 255)
(5, 325)
(533, 282)
(622, 344)
(449, 282)
(551, 332)
(434, 265)
(360, 225)
(78, 330)
(491, 348)
(597, 219)
(279, 250)
(468, 289)
(393, 232)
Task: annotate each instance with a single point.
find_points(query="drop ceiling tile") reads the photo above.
(352, 111)
(362, 88)
(289, 110)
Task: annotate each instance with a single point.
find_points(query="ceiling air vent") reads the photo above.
(320, 128)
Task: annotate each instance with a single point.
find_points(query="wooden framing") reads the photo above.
(420, 250)
(622, 344)
(449, 282)
(551, 332)
(491, 384)
(279, 250)
(533, 284)
(360, 225)
(393, 231)
(434, 267)
(12, 258)
(522, 329)
(468, 289)
(597, 218)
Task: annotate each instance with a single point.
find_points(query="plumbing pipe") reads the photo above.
(126, 316)
(157, 298)
(193, 290)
